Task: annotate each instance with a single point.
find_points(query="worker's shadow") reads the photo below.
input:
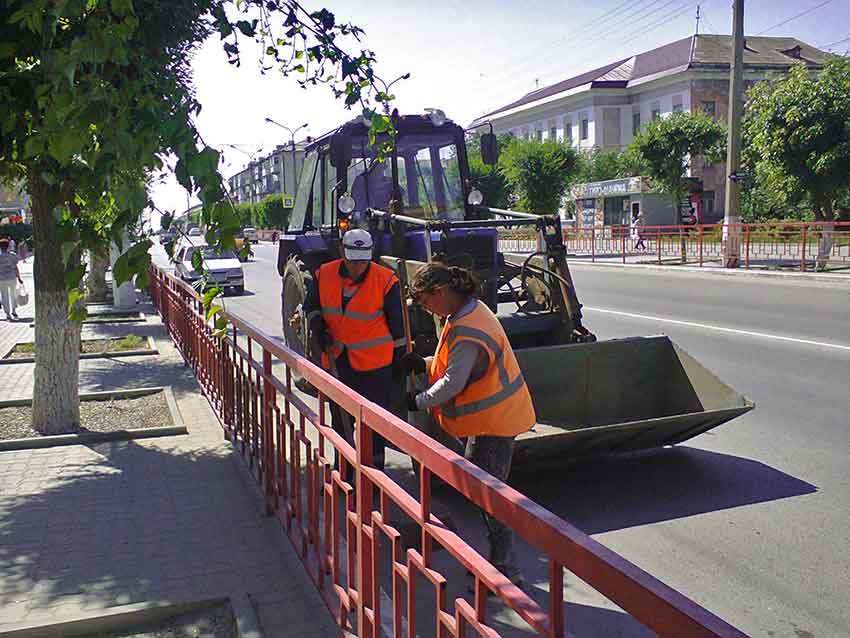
(611, 493)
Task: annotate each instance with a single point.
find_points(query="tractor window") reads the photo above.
(302, 213)
(428, 174)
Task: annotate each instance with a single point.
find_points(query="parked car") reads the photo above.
(225, 268)
(195, 232)
(250, 235)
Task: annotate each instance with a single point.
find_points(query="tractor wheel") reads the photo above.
(297, 280)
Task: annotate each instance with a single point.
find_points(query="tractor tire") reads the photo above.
(297, 280)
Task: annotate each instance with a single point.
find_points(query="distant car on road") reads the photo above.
(250, 235)
(225, 268)
(195, 232)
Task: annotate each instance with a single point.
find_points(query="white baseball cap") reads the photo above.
(357, 245)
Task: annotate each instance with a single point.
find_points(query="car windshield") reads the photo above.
(428, 175)
(209, 253)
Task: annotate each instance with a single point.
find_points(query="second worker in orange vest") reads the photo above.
(476, 388)
(357, 313)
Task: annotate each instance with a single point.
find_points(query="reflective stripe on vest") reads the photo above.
(362, 327)
(498, 403)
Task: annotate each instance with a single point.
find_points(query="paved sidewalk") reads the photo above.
(170, 520)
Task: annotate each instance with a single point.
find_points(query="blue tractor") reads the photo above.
(420, 204)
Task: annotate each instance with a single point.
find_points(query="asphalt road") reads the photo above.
(751, 519)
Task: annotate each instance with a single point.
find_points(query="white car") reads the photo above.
(195, 232)
(225, 269)
(250, 235)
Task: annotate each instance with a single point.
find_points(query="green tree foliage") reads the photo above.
(270, 213)
(98, 93)
(667, 144)
(600, 164)
(797, 137)
(538, 173)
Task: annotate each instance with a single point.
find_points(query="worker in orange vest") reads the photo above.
(476, 390)
(356, 314)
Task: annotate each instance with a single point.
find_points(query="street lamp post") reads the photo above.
(292, 149)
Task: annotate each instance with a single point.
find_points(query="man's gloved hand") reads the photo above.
(319, 331)
(412, 362)
(411, 401)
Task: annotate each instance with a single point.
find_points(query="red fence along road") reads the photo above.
(802, 246)
(336, 508)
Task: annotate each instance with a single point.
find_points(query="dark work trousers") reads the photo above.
(493, 454)
(374, 385)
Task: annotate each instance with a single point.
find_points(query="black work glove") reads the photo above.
(320, 332)
(411, 401)
(412, 362)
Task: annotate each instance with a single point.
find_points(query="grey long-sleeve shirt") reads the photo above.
(467, 363)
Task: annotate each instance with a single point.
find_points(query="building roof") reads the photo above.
(694, 52)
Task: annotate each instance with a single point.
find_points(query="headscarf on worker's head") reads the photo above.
(436, 275)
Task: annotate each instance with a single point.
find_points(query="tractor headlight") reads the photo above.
(346, 203)
(437, 116)
(476, 197)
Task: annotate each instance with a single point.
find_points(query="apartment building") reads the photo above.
(276, 173)
(608, 106)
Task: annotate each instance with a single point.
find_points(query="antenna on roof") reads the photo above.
(536, 83)
(696, 31)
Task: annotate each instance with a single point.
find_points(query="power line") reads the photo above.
(794, 17)
(669, 18)
(826, 46)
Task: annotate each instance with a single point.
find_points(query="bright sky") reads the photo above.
(469, 57)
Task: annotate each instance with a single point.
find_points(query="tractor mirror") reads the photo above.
(340, 151)
(489, 149)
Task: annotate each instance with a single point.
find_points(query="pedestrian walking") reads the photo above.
(9, 274)
(476, 389)
(637, 229)
(355, 313)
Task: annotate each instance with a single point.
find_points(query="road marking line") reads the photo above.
(706, 326)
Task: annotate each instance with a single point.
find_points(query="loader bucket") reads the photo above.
(617, 396)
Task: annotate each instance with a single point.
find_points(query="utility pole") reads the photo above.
(732, 229)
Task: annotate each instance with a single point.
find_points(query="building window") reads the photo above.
(709, 107)
(655, 112)
(635, 124)
(539, 135)
(584, 128)
(568, 131)
(553, 133)
(677, 103)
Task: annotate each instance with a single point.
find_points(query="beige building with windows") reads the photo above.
(607, 106)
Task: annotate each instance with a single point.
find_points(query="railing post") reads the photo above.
(701, 229)
(593, 242)
(658, 242)
(269, 400)
(747, 247)
(803, 251)
(623, 236)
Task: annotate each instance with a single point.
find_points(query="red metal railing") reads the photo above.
(345, 531)
(798, 245)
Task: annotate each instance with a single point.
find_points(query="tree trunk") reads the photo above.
(56, 403)
(96, 281)
(824, 214)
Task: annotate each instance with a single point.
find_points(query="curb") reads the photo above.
(152, 350)
(90, 438)
(114, 619)
(827, 278)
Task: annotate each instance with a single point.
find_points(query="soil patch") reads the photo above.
(88, 346)
(217, 622)
(109, 415)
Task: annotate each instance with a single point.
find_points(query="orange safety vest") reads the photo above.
(362, 327)
(499, 403)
